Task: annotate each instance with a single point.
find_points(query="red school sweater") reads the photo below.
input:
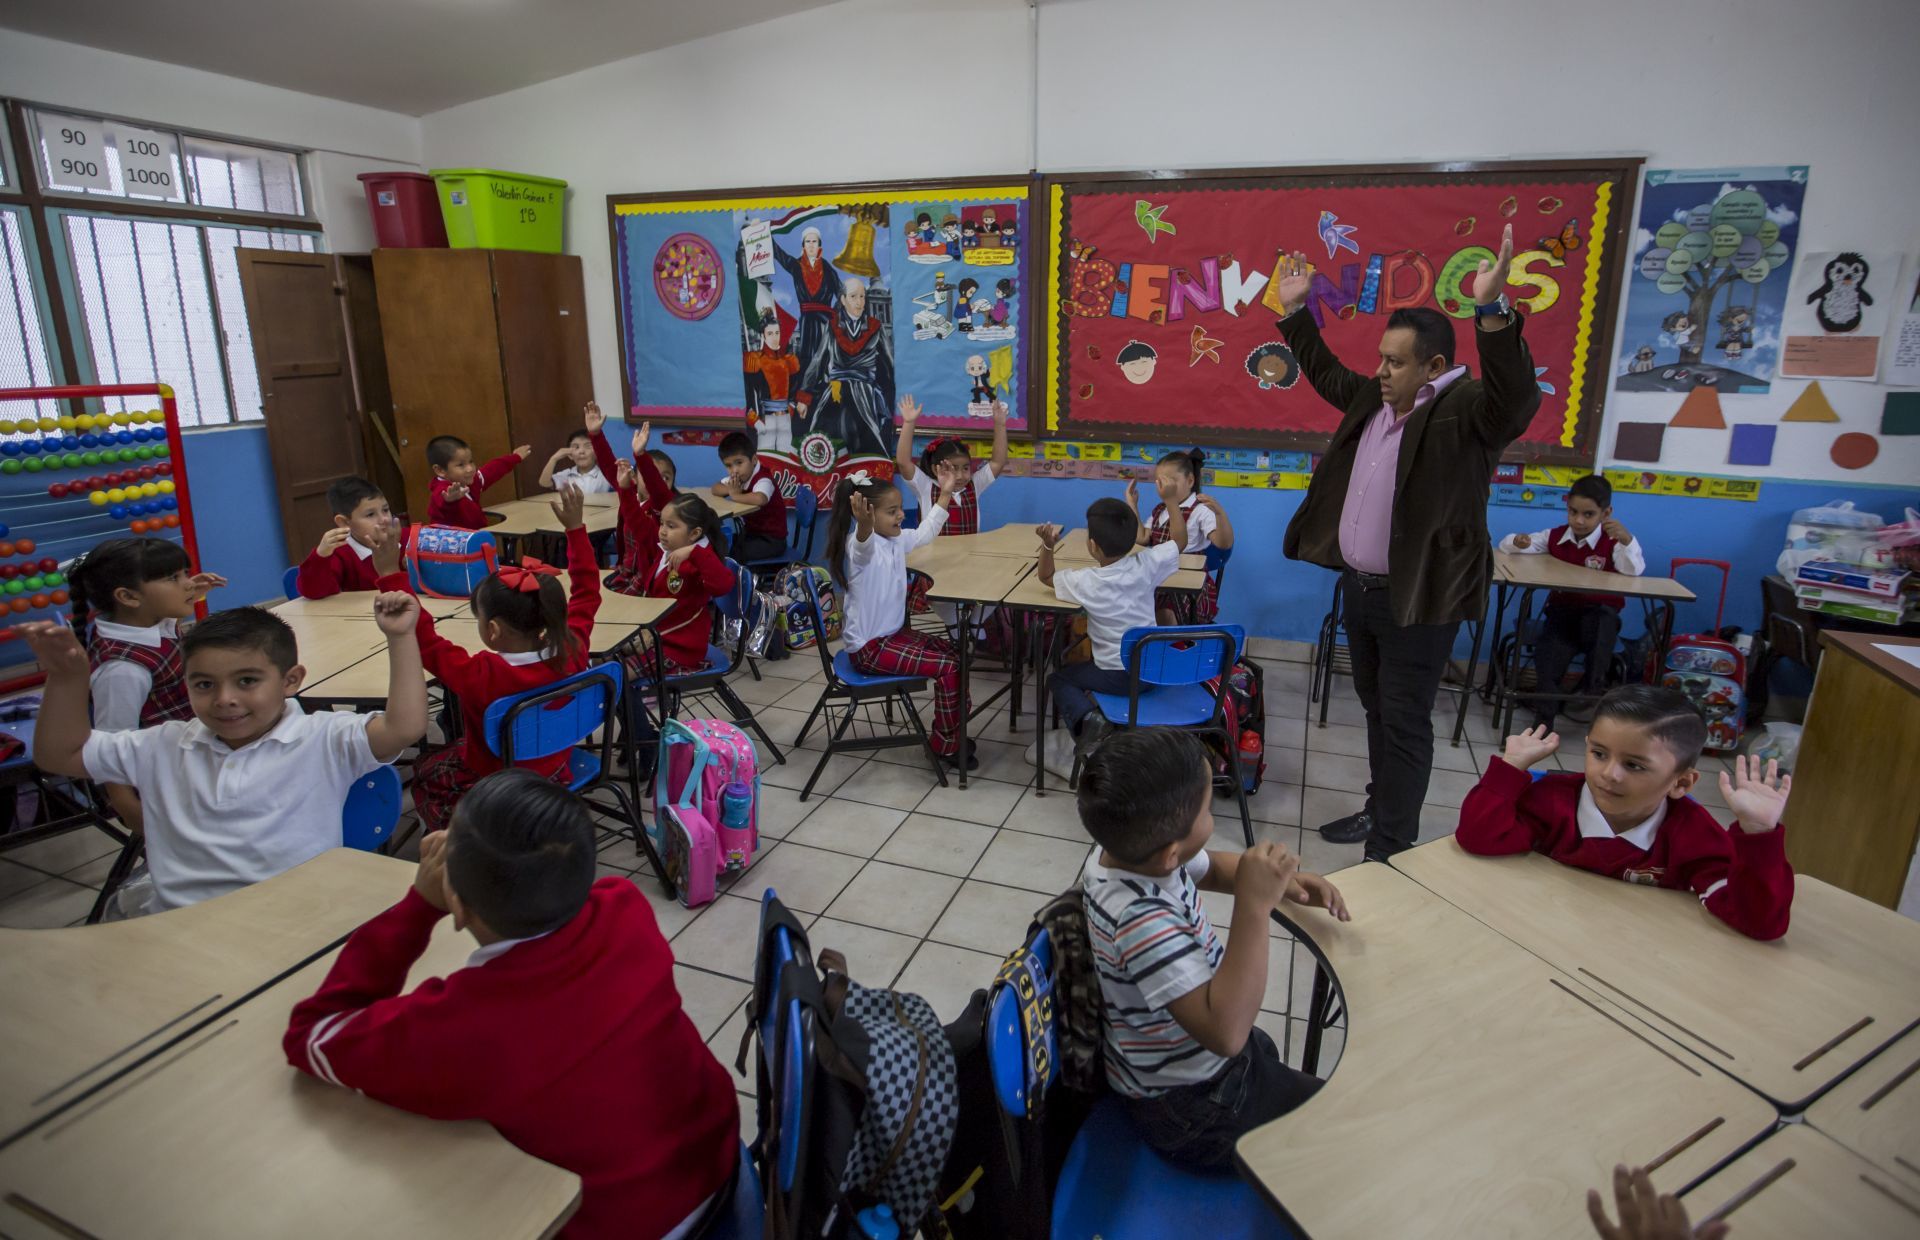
(1742, 878)
(480, 678)
(573, 1045)
(769, 518)
(1600, 557)
(323, 576)
(659, 494)
(465, 513)
(643, 572)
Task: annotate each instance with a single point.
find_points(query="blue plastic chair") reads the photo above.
(371, 810)
(803, 513)
(1168, 670)
(1113, 1184)
(565, 715)
(290, 582)
(711, 681)
(862, 692)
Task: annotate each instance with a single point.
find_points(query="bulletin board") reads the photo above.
(808, 311)
(1161, 307)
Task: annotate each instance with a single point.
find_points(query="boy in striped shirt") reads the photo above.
(1181, 1044)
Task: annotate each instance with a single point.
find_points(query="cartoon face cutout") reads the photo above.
(976, 366)
(1846, 270)
(1137, 361)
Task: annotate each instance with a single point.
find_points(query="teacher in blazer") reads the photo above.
(1398, 507)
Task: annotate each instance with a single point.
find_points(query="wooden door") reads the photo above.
(443, 359)
(542, 306)
(300, 348)
(367, 355)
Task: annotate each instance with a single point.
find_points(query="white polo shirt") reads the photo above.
(218, 819)
(1200, 523)
(590, 480)
(1117, 596)
(120, 687)
(876, 602)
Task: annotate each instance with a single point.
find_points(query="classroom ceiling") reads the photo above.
(412, 56)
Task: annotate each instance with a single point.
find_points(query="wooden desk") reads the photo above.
(357, 605)
(87, 1004)
(222, 1138)
(1876, 1111)
(724, 506)
(1798, 1185)
(967, 579)
(331, 644)
(1857, 765)
(1480, 1093)
(1073, 552)
(1786, 1018)
(521, 517)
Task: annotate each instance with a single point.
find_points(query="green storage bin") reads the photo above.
(487, 209)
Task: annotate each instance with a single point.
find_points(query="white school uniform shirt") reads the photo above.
(590, 480)
(119, 686)
(218, 819)
(923, 487)
(1627, 557)
(1200, 523)
(876, 603)
(1117, 596)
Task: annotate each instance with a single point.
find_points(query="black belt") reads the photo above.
(1367, 581)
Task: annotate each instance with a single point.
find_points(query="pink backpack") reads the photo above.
(699, 760)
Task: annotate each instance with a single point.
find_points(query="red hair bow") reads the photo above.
(525, 576)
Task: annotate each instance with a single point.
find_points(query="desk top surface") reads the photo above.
(104, 997)
(1787, 1018)
(220, 1137)
(357, 605)
(1467, 1067)
(331, 644)
(961, 575)
(1864, 646)
(1876, 1111)
(1545, 571)
(534, 515)
(1798, 1184)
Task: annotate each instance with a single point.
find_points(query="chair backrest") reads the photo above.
(805, 507)
(1726, 573)
(290, 582)
(444, 562)
(819, 626)
(735, 603)
(1217, 557)
(555, 717)
(1181, 654)
(786, 1043)
(1008, 1050)
(371, 810)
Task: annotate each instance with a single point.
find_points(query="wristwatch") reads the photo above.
(1499, 306)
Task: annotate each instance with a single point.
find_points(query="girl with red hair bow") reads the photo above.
(535, 633)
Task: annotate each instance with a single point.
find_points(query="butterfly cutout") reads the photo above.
(1565, 243)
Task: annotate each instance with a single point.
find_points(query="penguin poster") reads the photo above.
(1838, 309)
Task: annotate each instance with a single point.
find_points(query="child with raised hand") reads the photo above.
(343, 559)
(252, 785)
(1180, 1007)
(564, 1030)
(1176, 479)
(574, 465)
(653, 472)
(535, 633)
(458, 482)
(947, 454)
(1629, 816)
(129, 596)
(867, 549)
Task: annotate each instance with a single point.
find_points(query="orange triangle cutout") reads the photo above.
(1810, 406)
(1700, 410)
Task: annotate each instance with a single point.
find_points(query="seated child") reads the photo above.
(575, 465)
(1117, 595)
(1181, 1044)
(867, 549)
(343, 560)
(129, 596)
(763, 531)
(947, 453)
(1630, 816)
(1176, 478)
(1571, 622)
(252, 785)
(535, 633)
(563, 1030)
(457, 481)
(654, 470)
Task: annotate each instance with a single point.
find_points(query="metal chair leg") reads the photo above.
(743, 714)
(821, 766)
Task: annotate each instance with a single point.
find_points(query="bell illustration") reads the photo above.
(857, 255)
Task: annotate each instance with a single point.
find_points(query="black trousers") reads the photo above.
(755, 546)
(1198, 1124)
(1589, 628)
(1396, 671)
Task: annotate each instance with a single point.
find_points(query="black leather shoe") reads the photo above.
(1349, 830)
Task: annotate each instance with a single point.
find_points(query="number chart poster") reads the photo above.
(1162, 303)
(807, 314)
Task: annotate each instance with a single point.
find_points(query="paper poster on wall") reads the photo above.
(962, 279)
(1707, 282)
(1838, 308)
(1903, 361)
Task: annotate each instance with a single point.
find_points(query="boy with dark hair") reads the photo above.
(564, 1029)
(252, 785)
(763, 531)
(1629, 816)
(574, 465)
(343, 559)
(1572, 622)
(457, 481)
(1181, 1043)
(1117, 595)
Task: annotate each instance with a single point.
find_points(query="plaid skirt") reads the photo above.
(441, 779)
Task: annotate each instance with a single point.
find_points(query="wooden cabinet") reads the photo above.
(489, 345)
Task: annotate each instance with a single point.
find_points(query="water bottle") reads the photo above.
(1252, 752)
(876, 1223)
(736, 825)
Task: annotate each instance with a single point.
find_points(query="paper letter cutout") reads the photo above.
(1236, 291)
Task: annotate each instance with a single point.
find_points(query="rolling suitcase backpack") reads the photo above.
(706, 806)
(1710, 670)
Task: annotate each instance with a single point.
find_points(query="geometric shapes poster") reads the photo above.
(1708, 269)
(1160, 313)
(1700, 411)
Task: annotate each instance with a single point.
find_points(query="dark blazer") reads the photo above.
(1438, 559)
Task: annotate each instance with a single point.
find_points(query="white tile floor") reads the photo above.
(925, 888)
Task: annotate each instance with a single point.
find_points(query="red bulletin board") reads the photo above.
(1161, 307)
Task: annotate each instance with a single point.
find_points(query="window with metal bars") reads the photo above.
(167, 165)
(24, 361)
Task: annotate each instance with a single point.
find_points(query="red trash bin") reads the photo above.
(406, 210)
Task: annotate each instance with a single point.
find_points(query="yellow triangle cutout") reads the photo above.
(1811, 406)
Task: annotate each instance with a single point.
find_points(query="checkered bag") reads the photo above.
(913, 1103)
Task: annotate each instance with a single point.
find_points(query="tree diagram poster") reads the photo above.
(1711, 257)
(806, 314)
(1161, 310)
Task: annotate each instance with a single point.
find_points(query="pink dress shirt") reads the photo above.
(1366, 518)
